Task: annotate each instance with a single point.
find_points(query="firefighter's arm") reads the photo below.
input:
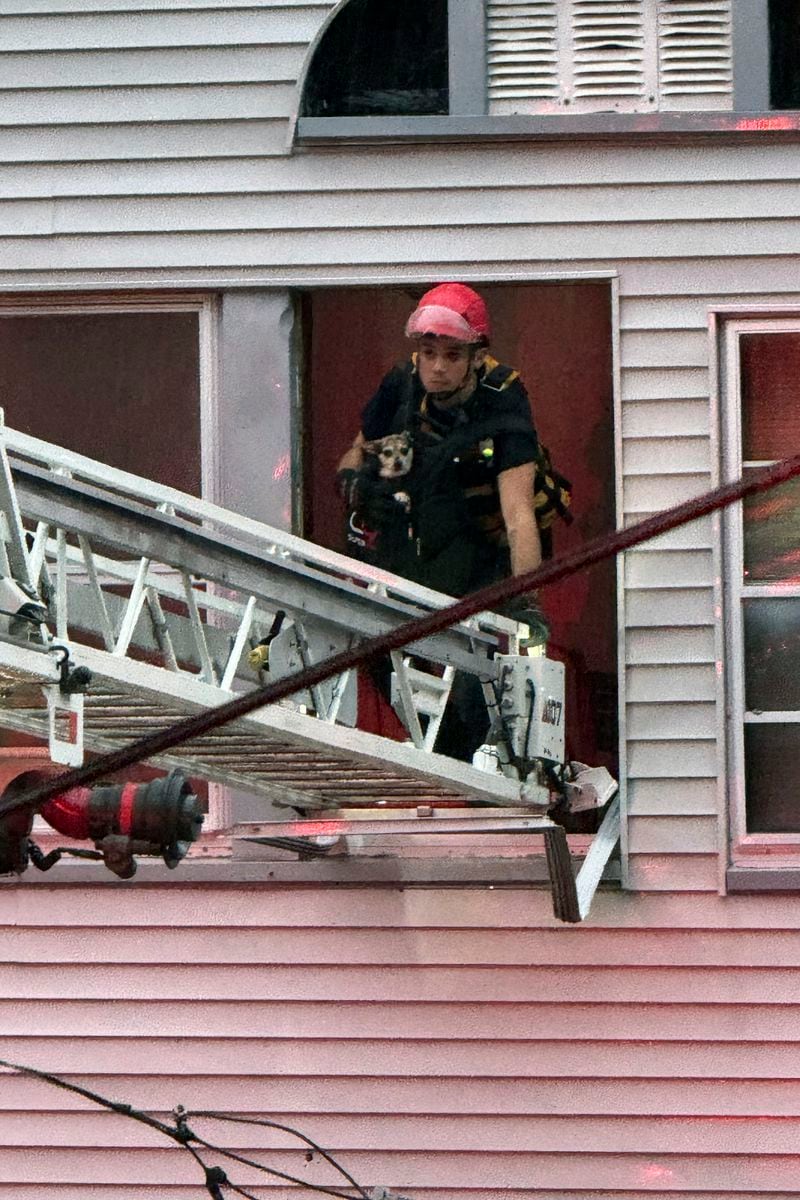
(516, 504)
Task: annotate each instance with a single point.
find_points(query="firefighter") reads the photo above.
(471, 518)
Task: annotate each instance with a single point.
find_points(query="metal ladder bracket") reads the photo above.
(573, 894)
(64, 713)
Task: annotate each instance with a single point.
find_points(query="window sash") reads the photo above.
(746, 848)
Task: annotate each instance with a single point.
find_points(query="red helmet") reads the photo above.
(451, 310)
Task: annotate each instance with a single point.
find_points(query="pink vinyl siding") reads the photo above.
(454, 1044)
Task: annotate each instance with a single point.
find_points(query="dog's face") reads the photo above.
(394, 454)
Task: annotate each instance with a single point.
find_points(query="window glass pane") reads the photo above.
(381, 59)
(772, 655)
(772, 535)
(784, 53)
(772, 768)
(770, 369)
(120, 387)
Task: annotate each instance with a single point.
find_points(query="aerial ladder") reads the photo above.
(126, 605)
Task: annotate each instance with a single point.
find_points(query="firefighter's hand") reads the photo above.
(525, 611)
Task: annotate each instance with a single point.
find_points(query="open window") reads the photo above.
(559, 337)
(762, 360)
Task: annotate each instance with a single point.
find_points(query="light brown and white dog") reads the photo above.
(395, 455)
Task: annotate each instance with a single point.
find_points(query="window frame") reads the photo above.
(754, 860)
(468, 118)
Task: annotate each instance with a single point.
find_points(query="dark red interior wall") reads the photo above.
(559, 337)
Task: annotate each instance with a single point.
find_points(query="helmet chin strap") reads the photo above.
(438, 397)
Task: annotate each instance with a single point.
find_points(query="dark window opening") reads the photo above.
(559, 336)
(379, 59)
(784, 53)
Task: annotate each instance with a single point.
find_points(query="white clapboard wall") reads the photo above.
(453, 1044)
(147, 144)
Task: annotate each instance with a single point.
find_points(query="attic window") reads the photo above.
(784, 54)
(379, 59)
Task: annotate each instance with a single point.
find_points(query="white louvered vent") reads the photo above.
(695, 64)
(523, 53)
(609, 55)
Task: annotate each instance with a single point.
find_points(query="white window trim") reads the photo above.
(219, 802)
(745, 850)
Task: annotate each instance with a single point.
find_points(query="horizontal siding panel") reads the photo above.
(675, 383)
(458, 1133)
(56, 909)
(319, 209)
(420, 983)
(501, 174)
(666, 455)
(325, 208)
(671, 720)
(584, 945)
(663, 348)
(142, 30)
(673, 872)
(694, 535)
(665, 419)
(653, 684)
(673, 835)
(308, 1095)
(612, 1172)
(649, 493)
(427, 1039)
(672, 760)
(691, 312)
(664, 606)
(669, 569)
(657, 646)
(505, 243)
(82, 69)
(754, 273)
(655, 797)
(709, 1041)
(168, 141)
(124, 106)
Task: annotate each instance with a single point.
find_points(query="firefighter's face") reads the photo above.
(446, 366)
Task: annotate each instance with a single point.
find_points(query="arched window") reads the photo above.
(378, 58)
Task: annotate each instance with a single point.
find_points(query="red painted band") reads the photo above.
(126, 807)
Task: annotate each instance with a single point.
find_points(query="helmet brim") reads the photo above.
(437, 321)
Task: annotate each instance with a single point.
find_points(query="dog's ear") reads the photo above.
(372, 447)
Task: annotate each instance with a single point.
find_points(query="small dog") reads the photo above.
(395, 455)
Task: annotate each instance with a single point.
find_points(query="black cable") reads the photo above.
(489, 598)
(249, 1162)
(267, 1124)
(180, 1133)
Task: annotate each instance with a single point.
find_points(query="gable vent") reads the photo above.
(609, 55)
(695, 54)
(523, 52)
(608, 52)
